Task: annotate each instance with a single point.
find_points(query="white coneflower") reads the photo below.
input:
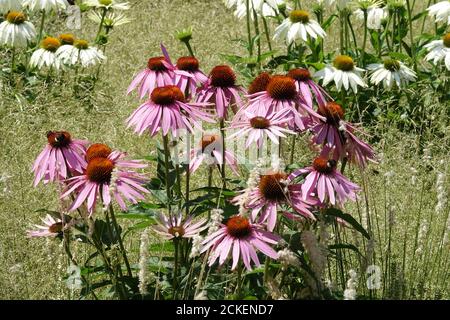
(8, 5)
(16, 30)
(265, 8)
(196, 246)
(107, 4)
(343, 72)
(298, 26)
(46, 55)
(440, 11)
(391, 72)
(144, 278)
(45, 5)
(439, 50)
(287, 258)
(375, 16)
(80, 53)
(423, 229)
(315, 252)
(352, 284)
(441, 193)
(111, 20)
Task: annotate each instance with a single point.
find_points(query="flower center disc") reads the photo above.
(99, 170)
(282, 88)
(222, 76)
(272, 186)
(177, 232)
(324, 165)
(208, 139)
(105, 2)
(156, 64)
(299, 74)
(166, 95)
(333, 112)
(97, 150)
(259, 123)
(446, 40)
(344, 63)
(81, 44)
(56, 227)
(67, 38)
(50, 44)
(58, 139)
(239, 227)
(301, 16)
(188, 64)
(391, 65)
(16, 17)
(260, 83)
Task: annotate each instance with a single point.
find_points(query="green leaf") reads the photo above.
(344, 246)
(349, 219)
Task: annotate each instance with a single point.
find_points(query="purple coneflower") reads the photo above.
(242, 238)
(159, 73)
(308, 88)
(210, 151)
(52, 227)
(188, 75)
(326, 182)
(221, 89)
(259, 125)
(280, 94)
(167, 110)
(61, 156)
(271, 194)
(105, 177)
(175, 228)
(336, 134)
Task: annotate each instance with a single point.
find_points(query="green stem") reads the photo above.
(411, 36)
(363, 51)
(166, 164)
(188, 46)
(210, 172)
(239, 280)
(249, 34)
(188, 178)
(341, 32)
(41, 28)
(119, 238)
(100, 27)
(175, 269)
(294, 139)
(222, 132)
(267, 33)
(258, 39)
